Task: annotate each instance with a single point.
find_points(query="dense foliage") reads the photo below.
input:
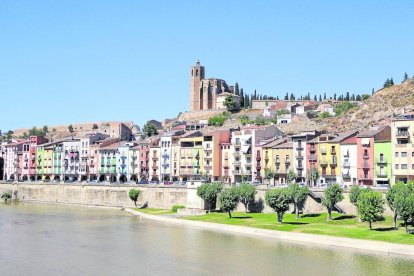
(298, 195)
(279, 200)
(133, 195)
(247, 193)
(218, 120)
(343, 107)
(333, 195)
(229, 200)
(209, 192)
(176, 207)
(370, 206)
(149, 130)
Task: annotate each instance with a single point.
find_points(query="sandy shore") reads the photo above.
(298, 238)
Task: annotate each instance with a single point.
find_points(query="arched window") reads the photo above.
(196, 72)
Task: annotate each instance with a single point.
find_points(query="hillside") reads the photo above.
(378, 109)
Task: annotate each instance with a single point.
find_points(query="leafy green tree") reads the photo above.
(314, 175)
(217, 120)
(268, 174)
(229, 103)
(404, 203)
(343, 107)
(149, 130)
(45, 130)
(354, 194)
(260, 121)
(244, 119)
(279, 200)
(325, 115)
(333, 195)
(133, 195)
(6, 196)
(370, 206)
(247, 193)
(70, 128)
(390, 197)
(291, 176)
(364, 97)
(229, 200)
(299, 195)
(209, 192)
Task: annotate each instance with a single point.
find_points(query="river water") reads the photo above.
(37, 239)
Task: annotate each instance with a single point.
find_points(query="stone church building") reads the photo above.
(207, 94)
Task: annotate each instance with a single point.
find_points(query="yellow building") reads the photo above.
(329, 156)
(191, 156)
(268, 158)
(283, 158)
(175, 161)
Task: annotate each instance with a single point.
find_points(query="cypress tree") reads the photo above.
(320, 98)
(315, 98)
(405, 77)
(236, 89)
(241, 98)
(335, 96)
(347, 96)
(324, 96)
(287, 96)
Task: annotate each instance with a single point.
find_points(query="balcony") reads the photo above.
(312, 158)
(366, 166)
(258, 158)
(346, 176)
(323, 150)
(382, 161)
(402, 135)
(236, 172)
(299, 147)
(287, 161)
(154, 158)
(324, 163)
(237, 163)
(299, 166)
(333, 163)
(346, 165)
(333, 152)
(382, 174)
(299, 156)
(312, 148)
(266, 157)
(236, 153)
(277, 161)
(365, 156)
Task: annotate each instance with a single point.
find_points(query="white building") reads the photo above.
(348, 157)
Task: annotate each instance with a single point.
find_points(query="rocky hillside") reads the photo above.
(378, 109)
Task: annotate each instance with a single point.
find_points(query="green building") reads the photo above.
(383, 162)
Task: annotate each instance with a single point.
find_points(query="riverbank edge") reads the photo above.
(297, 238)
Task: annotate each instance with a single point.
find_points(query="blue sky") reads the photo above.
(73, 61)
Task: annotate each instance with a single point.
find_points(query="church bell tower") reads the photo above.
(196, 76)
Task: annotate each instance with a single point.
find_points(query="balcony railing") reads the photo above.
(381, 161)
(346, 164)
(366, 156)
(365, 166)
(382, 174)
(324, 163)
(346, 176)
(403, 134)
(299, 156)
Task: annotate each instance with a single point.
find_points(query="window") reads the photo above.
(403, 166)
(403, 154)
(396, 154)
(397, 167)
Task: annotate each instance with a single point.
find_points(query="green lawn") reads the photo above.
(341, 225)
(154, 211)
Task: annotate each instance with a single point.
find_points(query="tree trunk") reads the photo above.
(406, 226)
(245, 207)
(229, 214)
(279, 217)
(135, 202)
(296, 211)
(370, 225)
(329, 214)
(395, 220)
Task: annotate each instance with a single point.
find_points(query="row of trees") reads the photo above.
(369, 203)
(390, 81)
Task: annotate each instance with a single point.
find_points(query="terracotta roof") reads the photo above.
(112, 146)
(274, 143)
(349, 141)
(344, 135)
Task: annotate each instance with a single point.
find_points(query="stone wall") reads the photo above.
(117, 196)
(163, 197)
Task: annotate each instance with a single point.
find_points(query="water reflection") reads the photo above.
(65, 240)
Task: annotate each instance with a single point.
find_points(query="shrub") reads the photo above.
(325, 115)
(133, 195)
(218, 120)
(176, 207)
(343, 107)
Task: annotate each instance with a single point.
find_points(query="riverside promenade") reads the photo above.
(297, 238)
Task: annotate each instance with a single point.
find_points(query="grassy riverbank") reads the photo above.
(340, 226)
(154, 211)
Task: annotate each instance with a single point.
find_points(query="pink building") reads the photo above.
(312, 154)
(33, 142)
(144, 148)
(365, 153)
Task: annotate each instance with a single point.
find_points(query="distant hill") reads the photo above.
(378, 109)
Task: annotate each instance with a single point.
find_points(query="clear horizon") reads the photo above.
(70, 62)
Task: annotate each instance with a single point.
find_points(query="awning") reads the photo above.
(365, 141)
(245, 149)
